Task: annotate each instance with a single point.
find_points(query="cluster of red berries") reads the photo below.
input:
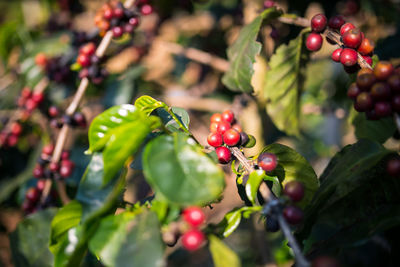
(32, 197)
(120, 20)
(57, 68)
(57, 170)
(9, 137)
(193, 238)
(226, 133)
(29, 101)
(90, 64)
(353, 40)
(377, 92)
(57, 121)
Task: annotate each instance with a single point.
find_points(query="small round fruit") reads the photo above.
(216, 117)
(134, 21)
(231, 137)
(16, 128)
(38, 171)
(65, 155)
(336, 54)
(223, 126)
(117, 31)
(37, 97)
(396, 103)
(365, 81)
(88, 49)
(194, 216)
(237, 128)
(41, 60)
(293, 214)
(383, 70)
(352, 38)
(48, 149)
(353, 91)
(348, 57)
(26, 93)
(213, 127)
(83, 60)
(79, 119)
(54, 166)
(383, 109)
(214, 139)
(394, 82)
(368, 59)
(118, 13)
(366, 47)
(294, 190)
(346, 27)
(314, 41)
(269, 3)
(228, 116)
(267, 161)
(380, 91)
(224, 155)
(393, 167)
(53, 111)
(41, 184)
(244, 138)
(146, 10)
(192, 239)
(318, 23)
(108, 14)
(32, 194)
(363, 102)
(336, 22)
(325, 261)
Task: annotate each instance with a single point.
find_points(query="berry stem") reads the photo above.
(268, 196)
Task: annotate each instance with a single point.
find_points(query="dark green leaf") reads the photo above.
(147, 104)
(67, 217)
(170, 122)
(284, 84)
(178, 170)
(253, 183)
(222, 255)
(29, 242)
(293, 166)
(242, 53)
(232, 219)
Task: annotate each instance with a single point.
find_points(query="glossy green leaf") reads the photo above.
(293, 166)
(222, 255)
(276, 187)
(170, 123)
(67, 217)
(253, 183)
(378, 130)
(178, 170)
(29, 242)
(147, 104)
(242, 53)
(232, 219)
(284, 84)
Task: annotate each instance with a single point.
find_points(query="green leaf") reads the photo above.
(170, 123)
(232, 219)
(293, 166)
(379, 130)
(253, 183)
(29, 242)
(222, 255)
(147, 104)
(276, 187)
(179, 171)
(66, 218)
(284, 84)
(242, 53)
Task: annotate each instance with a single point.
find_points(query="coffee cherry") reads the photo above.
(41, 184)
(38, 171)
(294, 190)
(213, 127)
(365, 81)
(53, 111)
(352, 38)
(383, 109)
(267, 161)
(16, 128)
(336, 22)
(366, 47)
(363, 102)
(231, 137)
(66, 168)
(348, 57)
(134, 21)
(192, 239)
(365, 71)
(37, 97)
(237, 128)
(48, 149)
(118, 13)
(117, 31)
(244, 138)
(214, 139)
(41, 60)
(128, 28)
(314, 41)
(394, 82)
(380, 91)
(54, 166)
(293, 214)
(88, 49)
(223, 127)
(228, 116)
(26, 93)
(325, 261)
(223, 154)
(368, 60)
(393, 167)
(12, 140)
(216, 117)
(383, 70)
(83, 60)
(32, 194)
(194, 216)
(271, 224)
(346, 27)
(336, 54)
(318, 23)
(79, 119)
(65, 155)
(396, 103)
(108, 14)
(269, 4)
(146, 10)
(353, 91)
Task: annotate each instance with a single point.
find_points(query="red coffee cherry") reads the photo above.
(213, 127)
(352, 38)
(325, 261)
(194, 216)
(83, 60)
(54, 166)
(214, 139)
(363, 102)
(108, 13)
(37, 97)
(16, 128)
(380, 91)
(346, 27)
(38, 171)
(223, 154)
(66, 168)
(394, 82)
(53, 111)
(146, 10)
(118, 13)
(41, 60)
(294, 190)
(269, 3)
(48, 149)
(32, 194)
(336, 54)
(134, 21)
(12, 140)
(368, 60)
(88, 49)
(117, 31)
(192, 239)
(223, 126)
(293, 214)
(366, 47)
(383, 70)
(396, 103)
(393, 167)
(383, 109)
(267, 161)
(228, 116)
(231, 137)
(65, 155)
(348, 57)
(41, 184)
(336, 22)
(237, 128)
(216, 117)
(314, 41)
(26, 93)
(365, 81)
(353, 91)
(318, 23)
